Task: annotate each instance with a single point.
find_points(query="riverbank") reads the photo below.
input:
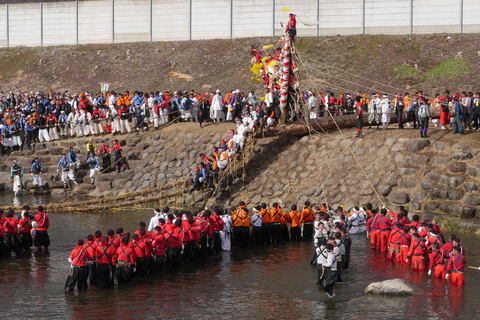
(438, 177)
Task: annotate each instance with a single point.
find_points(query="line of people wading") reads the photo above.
(172, 239)
(418, 243)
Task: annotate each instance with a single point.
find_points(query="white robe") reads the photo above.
(225, 234)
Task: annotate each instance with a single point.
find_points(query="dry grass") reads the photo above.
(342, 63)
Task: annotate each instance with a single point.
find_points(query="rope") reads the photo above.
(343, 138)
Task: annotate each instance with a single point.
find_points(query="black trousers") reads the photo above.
(142, 266)
(217, 243)
(295, 233)
(276, 234)
(26, 240)
(42, 239)
(257, 236)
(103, 276)
(77, 276)
(123, 273)
(329, 278)
(308, 231)
(267, 232)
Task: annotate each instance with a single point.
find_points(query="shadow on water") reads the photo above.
(258, 282)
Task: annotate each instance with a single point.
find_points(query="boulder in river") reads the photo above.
(397, 287)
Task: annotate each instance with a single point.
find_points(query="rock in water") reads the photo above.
(391, 287)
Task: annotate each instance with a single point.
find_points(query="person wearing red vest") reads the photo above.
(78, 273)
(372, 229)
(384, 225)
(11, 233)
(205, 227)
(91, 247)
(456, 266)
(437, 262)
(417, 253)
(404, 240)
(217, 223)
(394, 242)
(25, 227)
(143, 252)
(174, 243)
(158, 253)
(359, 116)
(3, 247)
(291, 27)
(191, 239)
(124, 260)
(104, 254)
(43, 222)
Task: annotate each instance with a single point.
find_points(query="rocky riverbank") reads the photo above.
(438, 177)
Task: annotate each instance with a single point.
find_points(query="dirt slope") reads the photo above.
(344, 64)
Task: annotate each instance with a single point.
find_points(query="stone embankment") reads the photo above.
(438, 177)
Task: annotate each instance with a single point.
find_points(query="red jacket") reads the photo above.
(2, 224)
(436, 257)
(124, 253)
(79, 256)
(372, 223)
(10, 226)
(105, 253)
(217, 223)
(159, 245)
(417, 248)
(384, 223)
(405, 239)
(142, 248)
(103, 149)
(395, 236)
(25, 225)
(456, 263)
(91, 248)
(174, 239)
(43, 222)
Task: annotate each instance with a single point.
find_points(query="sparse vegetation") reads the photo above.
(450, 68)
(405, 71)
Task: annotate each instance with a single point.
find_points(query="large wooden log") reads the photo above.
(327, 123)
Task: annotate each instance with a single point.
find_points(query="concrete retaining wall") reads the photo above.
(109, 21)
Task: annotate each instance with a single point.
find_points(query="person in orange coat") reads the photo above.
(456, 266)
(276, 214)
(295, 218)
(266, 223)
(78, 273)
(417, 253)
(306, 219)
(241, 222)
(437, 262)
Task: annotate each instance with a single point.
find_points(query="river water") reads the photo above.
(259, 282)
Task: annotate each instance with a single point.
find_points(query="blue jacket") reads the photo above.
(459, 111)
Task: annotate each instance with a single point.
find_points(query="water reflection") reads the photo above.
(259, 282)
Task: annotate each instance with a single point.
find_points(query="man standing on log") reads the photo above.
(359, 116)
(291, 27)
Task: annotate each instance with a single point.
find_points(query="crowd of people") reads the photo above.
(418, 243)
(19, 234)
(172, 239)
(71, 162)
(26, 118)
